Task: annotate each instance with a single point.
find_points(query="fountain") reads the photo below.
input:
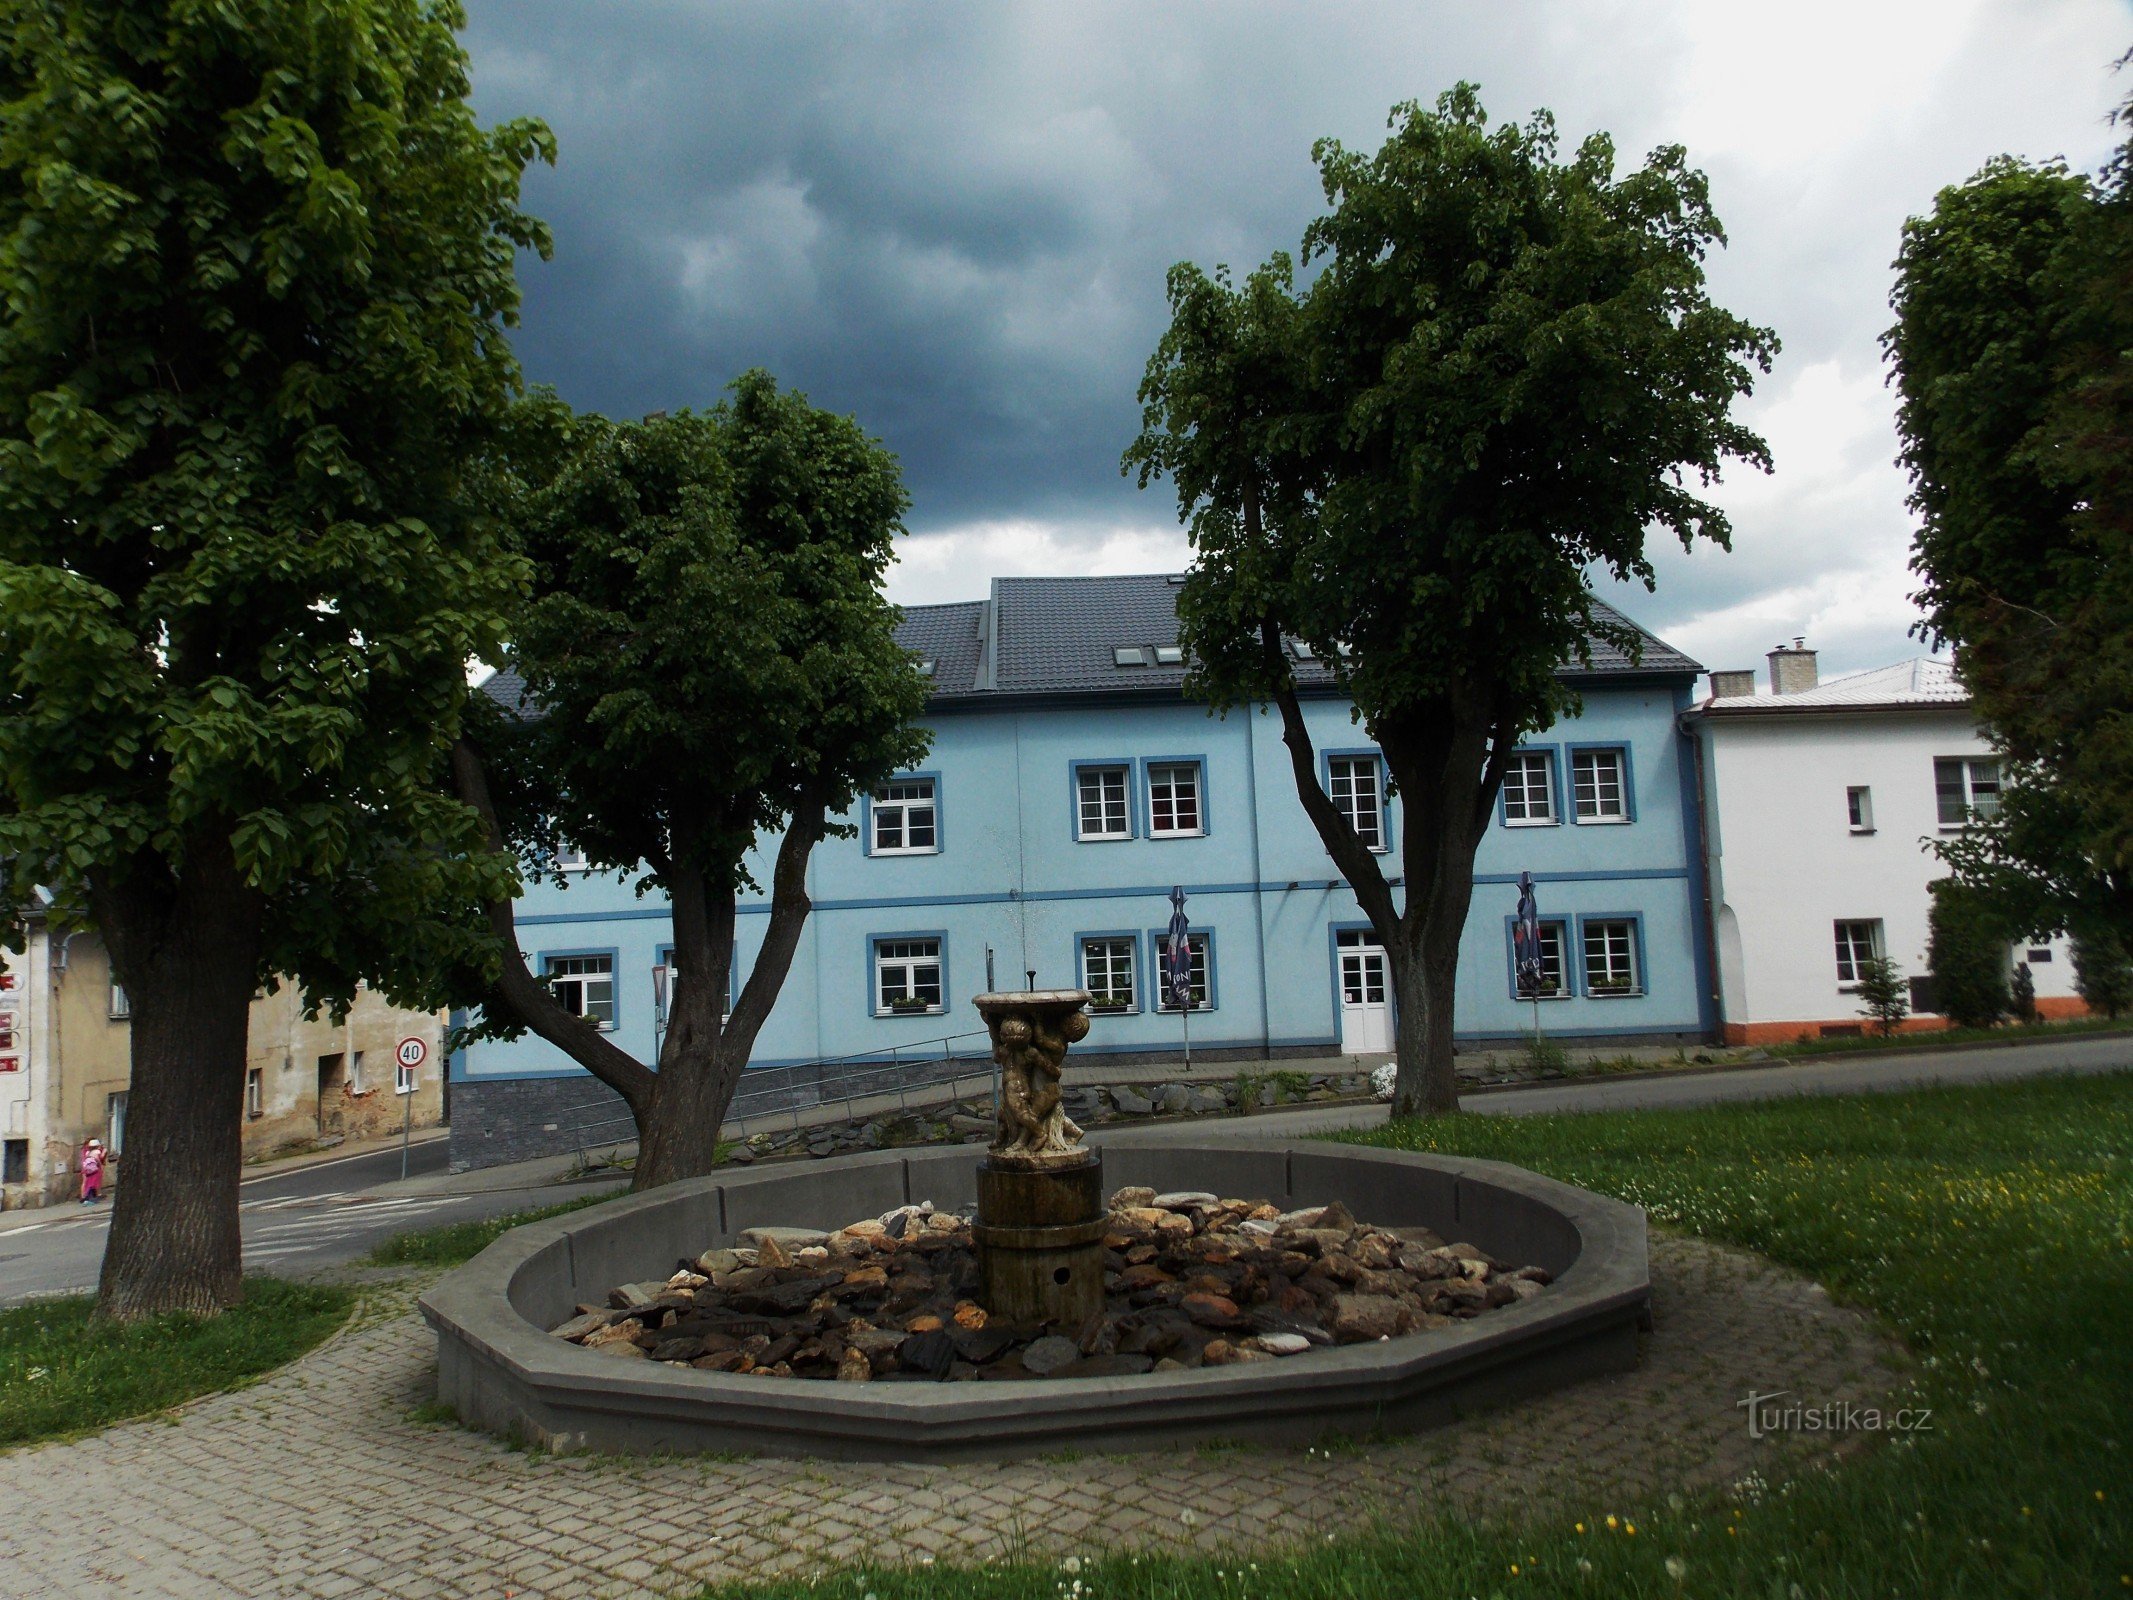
(1040, 1224)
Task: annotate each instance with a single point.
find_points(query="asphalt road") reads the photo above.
(322, 1216)
(294, 1222)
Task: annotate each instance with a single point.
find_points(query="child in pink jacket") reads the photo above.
(92, 1172)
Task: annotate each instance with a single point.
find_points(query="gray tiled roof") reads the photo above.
(1057, 636)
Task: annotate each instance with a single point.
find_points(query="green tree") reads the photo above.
(258, 262)
(1883, 994)
(1966, 951)
(1506, 373)
(2013, 356)
(2103, 976)
(710, 663)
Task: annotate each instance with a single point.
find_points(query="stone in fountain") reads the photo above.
(1040, 1225)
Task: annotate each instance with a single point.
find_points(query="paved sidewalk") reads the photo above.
(319, 1483)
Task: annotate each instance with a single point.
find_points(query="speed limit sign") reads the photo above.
(410, 1054)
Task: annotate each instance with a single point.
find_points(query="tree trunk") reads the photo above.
(1424, 981)
(189, 959)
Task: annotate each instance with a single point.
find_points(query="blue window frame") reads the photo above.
(907, 974)
(1603, 789)
(1108, 965)
(1610, 955)
(901, 816)
(1205, 993)
(1559, 966)
(1355, 782)
(1531, 794)
(583, 982)
(1101, 800)
(1176, 792)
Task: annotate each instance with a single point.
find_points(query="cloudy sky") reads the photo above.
(952, 221)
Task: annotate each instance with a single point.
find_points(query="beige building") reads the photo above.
(66, 1057)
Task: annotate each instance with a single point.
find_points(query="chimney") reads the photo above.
(1792, 668)
(1729, 685)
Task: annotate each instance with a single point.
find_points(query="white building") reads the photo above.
(1821, 802)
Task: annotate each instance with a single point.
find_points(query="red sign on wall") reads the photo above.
(10, 1063)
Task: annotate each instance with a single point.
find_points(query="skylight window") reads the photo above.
(1130, 655)
(1300, 650)
(925, 669)
(1169, 655)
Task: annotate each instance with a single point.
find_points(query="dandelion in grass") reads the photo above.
(1676, 1568)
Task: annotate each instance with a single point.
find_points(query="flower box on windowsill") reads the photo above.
(1110, 1007)
(1554, 991)
(1612, 991)
(911, 1006)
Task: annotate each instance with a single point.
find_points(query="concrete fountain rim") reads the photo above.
(502, 1371)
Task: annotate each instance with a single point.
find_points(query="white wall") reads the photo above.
(1786, 866)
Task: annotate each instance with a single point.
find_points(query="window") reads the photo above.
(1352, 783)
(569, 858)
(1966, 787)
(906, 818)
(1170, 655)
(584, 986)
(1174, 799)
(1101, 794)
(1196, 943)
(907, 976)
(1554, 950)
(1859, 808)
(15, 1161)
(355, 1073)
(254, 1095)
(403, 1078)
(1857, 944)
(121, 1007)
(2039, 955)
(1107, 973)
(1599, 785)
(1610, 958)
(1529, 790)
(1129, 655)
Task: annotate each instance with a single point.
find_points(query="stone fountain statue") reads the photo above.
(1040, 1223)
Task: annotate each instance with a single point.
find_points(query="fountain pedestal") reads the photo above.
(1040, 1224)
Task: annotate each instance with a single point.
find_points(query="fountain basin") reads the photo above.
(501, 1371)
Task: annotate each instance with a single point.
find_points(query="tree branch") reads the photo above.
(1342, 842)
(789, 906)
(517, 992)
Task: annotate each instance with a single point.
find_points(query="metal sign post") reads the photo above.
(410, 1054)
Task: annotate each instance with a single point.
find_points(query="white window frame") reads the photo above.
(1598, 816)
(355, 1072)
(906, 961)
(1605, 928)
(569, 857)
(907, 803)
(1859, 807)
(1113, 948)
(255, 1093)
(580, 975)
(1849, 947)
(1347, 793)
(1518, 798)
(121, 1005)
(1978, 799)
(1555, 933)
(1100, 775)
(1202, 988)
(1177, 785)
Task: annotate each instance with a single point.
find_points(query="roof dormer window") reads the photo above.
(1130, 655)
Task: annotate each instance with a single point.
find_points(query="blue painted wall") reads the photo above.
(1011, 877)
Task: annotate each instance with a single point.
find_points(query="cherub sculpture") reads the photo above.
(1030, 1044)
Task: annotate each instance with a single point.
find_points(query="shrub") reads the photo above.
(2103, 976)
(1966, 949)
(1883, 994)
(2022, 994)
(1248, 1091)
(1545, 1056)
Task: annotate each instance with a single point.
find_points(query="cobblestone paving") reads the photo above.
(319, 1482)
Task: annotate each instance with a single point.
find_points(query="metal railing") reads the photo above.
(893, 1073)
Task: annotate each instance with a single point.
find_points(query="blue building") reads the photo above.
(1069, 787)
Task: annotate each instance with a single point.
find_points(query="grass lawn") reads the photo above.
(454, 1242)
(1991, 1227)
(61, 1374)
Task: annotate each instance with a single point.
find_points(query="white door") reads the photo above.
(1366, 1014)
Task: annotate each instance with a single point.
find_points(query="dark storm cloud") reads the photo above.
(953, 222)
